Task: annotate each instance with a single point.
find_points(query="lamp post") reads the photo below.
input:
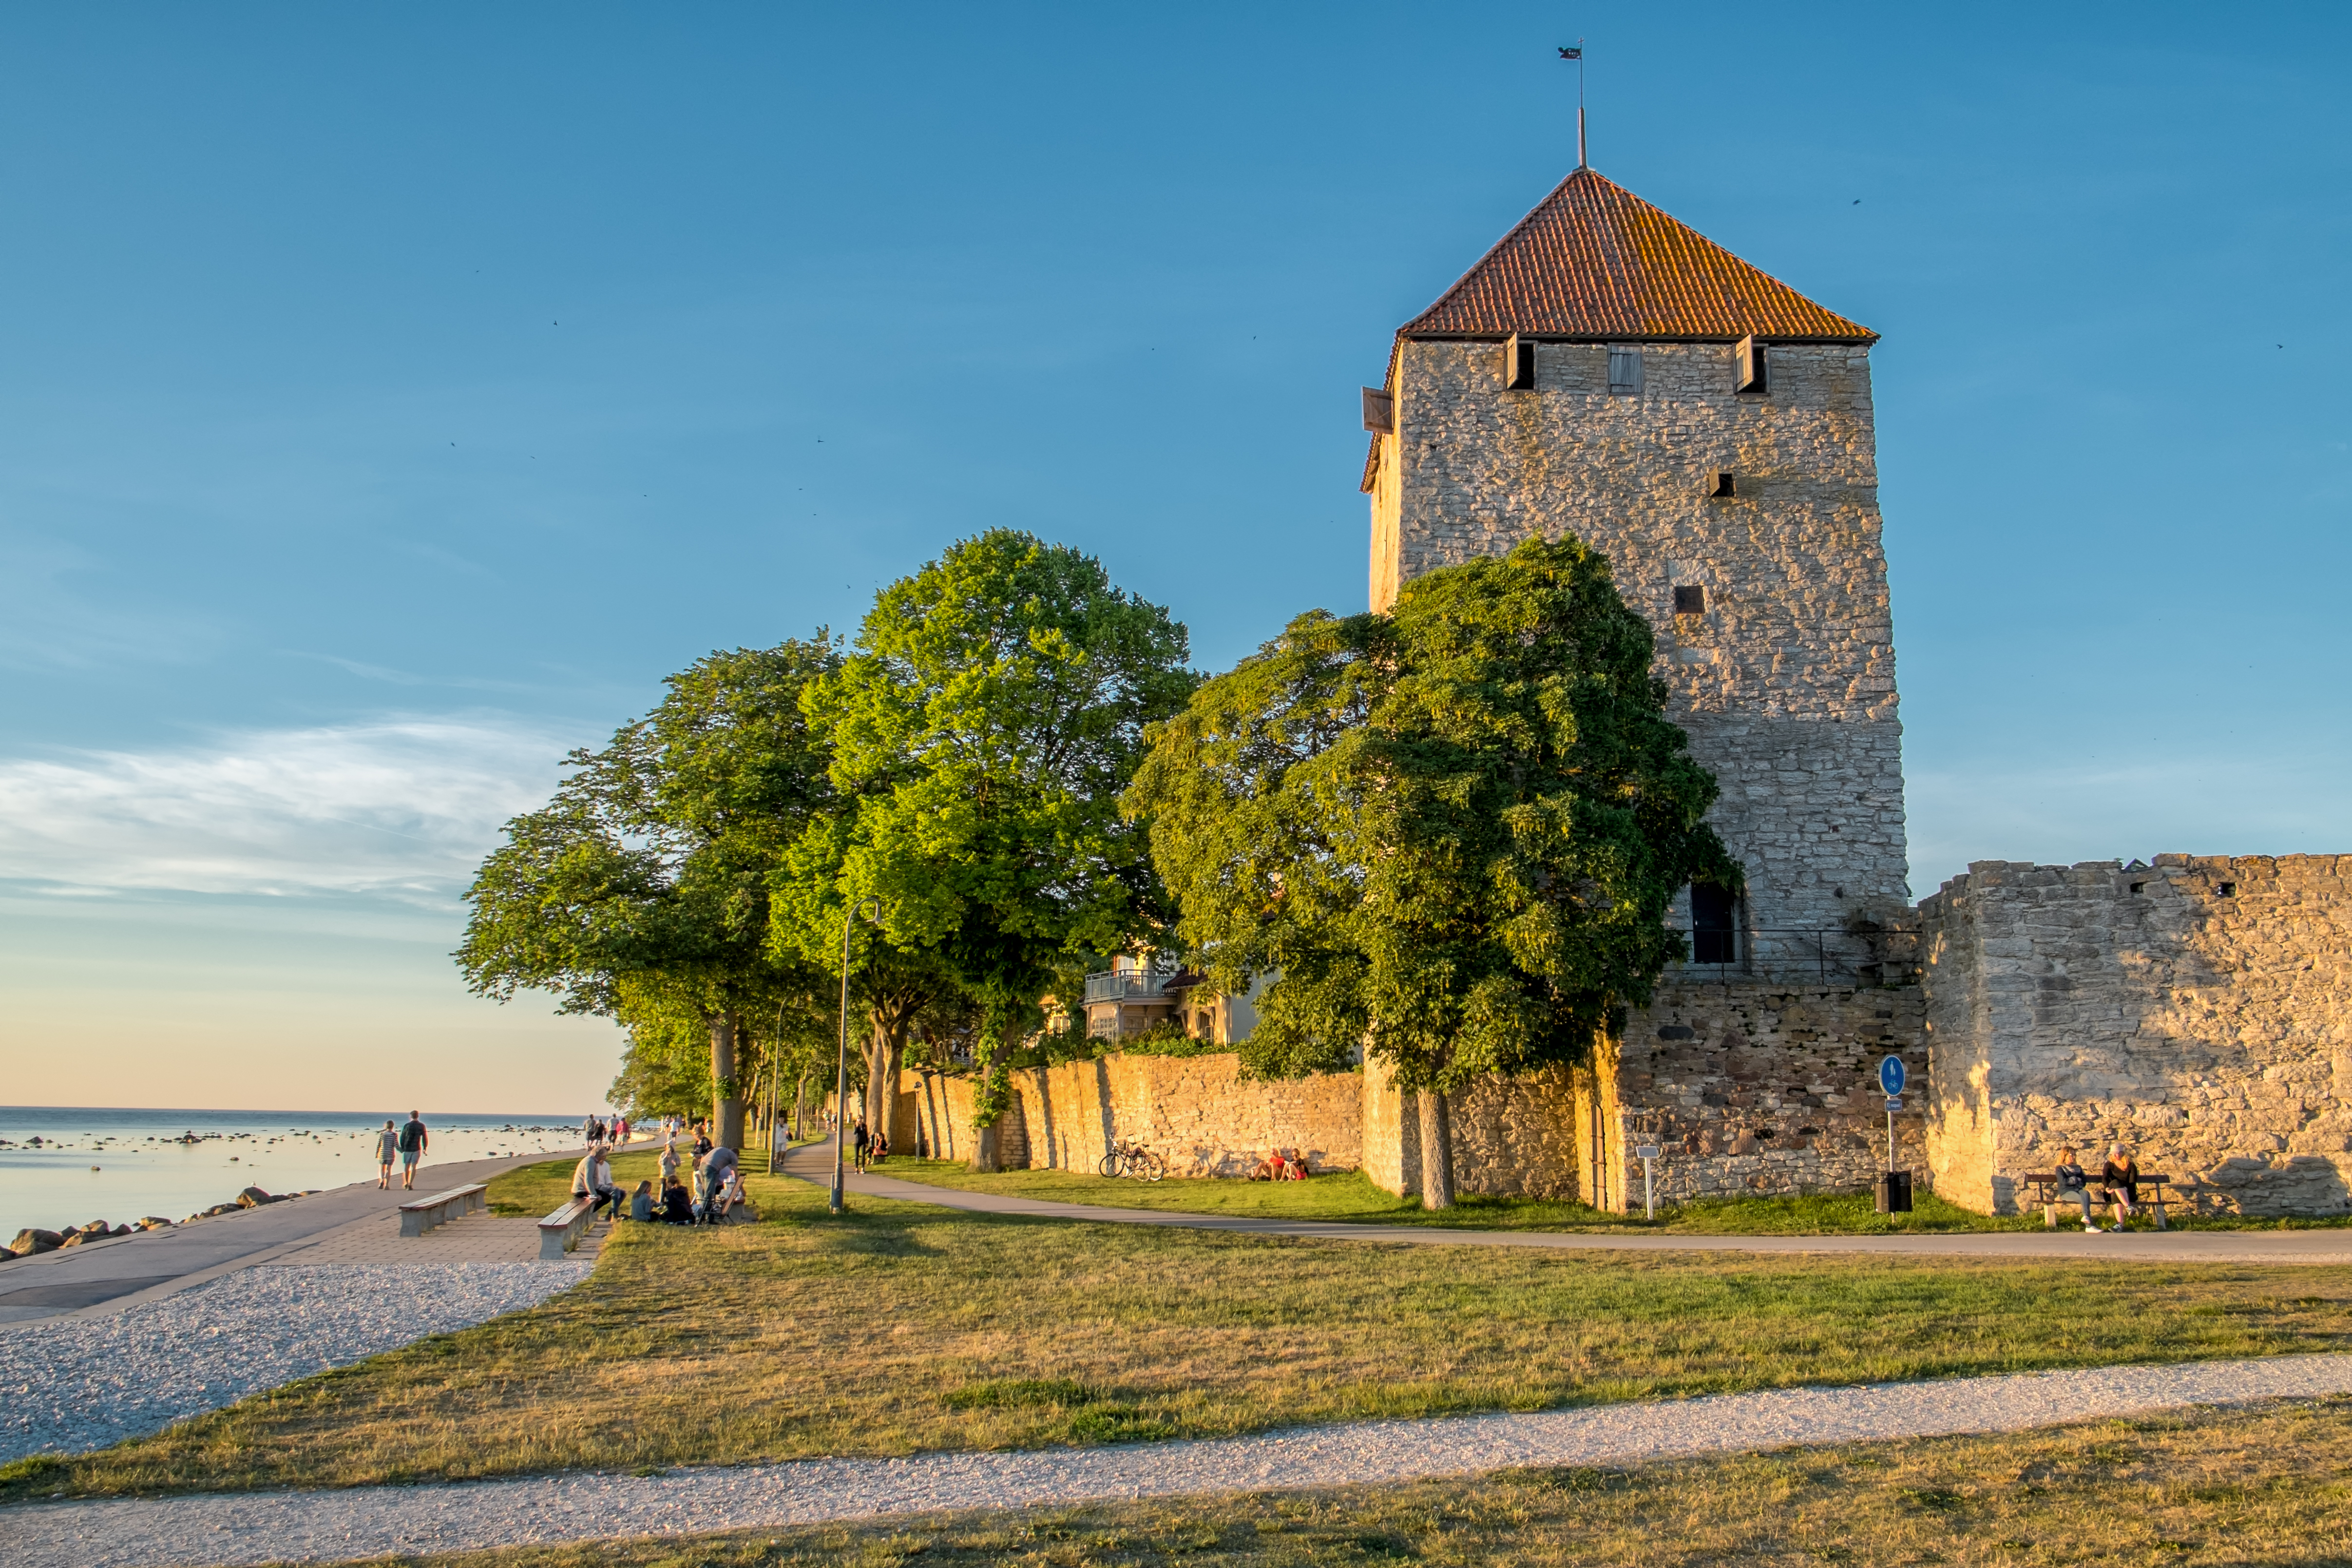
(872, 909)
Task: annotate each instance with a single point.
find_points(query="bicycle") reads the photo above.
(1129, 1157)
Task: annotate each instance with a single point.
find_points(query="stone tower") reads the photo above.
(1606, 370)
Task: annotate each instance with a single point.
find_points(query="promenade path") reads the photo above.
(409, 1520)
(356, 1223)
(813, 1162)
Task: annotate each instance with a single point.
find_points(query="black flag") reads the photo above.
(1575, 54)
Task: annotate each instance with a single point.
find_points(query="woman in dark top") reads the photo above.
(2074, 1186)
(2120, 1178)
(677, 1204)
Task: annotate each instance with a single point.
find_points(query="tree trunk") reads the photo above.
(985, 1158)
(1436, 1151)
(727, 1106)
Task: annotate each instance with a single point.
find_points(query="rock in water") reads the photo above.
(30, 1241)
(154, 1222)
(120, 1230)
(252, 1198)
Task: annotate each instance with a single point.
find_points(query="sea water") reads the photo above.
(62, 1166)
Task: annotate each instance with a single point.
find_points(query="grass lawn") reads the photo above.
(903, 1326)
(2263, 1484)
(1349, 1195)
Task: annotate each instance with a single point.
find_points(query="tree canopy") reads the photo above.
(993, 709)
(640, 891)
(1449, 835)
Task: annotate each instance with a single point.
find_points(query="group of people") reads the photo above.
(1280, 1165)
(872, 1146)
(599, 1130)
(2117, 1184)
(715, 1172)
(406, 1143)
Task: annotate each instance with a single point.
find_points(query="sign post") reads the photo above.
(1894, 1186)
(1649, 1153)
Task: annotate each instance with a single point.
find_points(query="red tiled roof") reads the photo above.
(1594, 260)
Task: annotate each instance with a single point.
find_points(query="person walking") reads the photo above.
(857, 1139)
(414, 1141)
(387, 1150)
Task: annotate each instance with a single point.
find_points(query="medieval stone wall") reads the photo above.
(1752, 1088)
(1197, 1112)
(1786, 681)
(1512, 1137)
(2196, 1010)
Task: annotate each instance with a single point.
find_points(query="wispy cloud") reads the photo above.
(403, 806)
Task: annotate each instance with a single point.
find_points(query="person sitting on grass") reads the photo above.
(877, 1148)
(677, 1204)
(2074, 1186)
(1295, 1169)
(641, 1203)
(2119, 1179)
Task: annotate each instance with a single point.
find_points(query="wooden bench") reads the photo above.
(2151, 1196)
(417, 1218)
(560, 1232)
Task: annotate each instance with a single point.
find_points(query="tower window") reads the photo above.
(1519, 365)
(1714, 937)
(1748, 366)
(1624, 372)
(1726, 487)
(1690, 601)
(2229, 889)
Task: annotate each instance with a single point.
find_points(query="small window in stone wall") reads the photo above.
(2229, 889)
(1690, 601)
(1727, 485)
(1624, 372)
(1748, 367)
(1519, 365)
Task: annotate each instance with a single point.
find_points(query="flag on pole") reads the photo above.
(1574, 54)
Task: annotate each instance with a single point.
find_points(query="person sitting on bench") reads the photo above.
(2074, 1186)
(593, 1178)
(2119, 1179)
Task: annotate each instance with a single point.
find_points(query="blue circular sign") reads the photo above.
(1890, 1075)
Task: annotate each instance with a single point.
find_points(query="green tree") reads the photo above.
(992, 711)
(645, 881)
(1449, 836)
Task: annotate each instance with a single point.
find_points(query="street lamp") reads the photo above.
(872, 909)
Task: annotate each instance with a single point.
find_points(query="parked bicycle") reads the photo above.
(1129, 1157)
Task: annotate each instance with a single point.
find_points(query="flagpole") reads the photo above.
(1577, 54)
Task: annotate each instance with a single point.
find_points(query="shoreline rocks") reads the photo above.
(33, 1240)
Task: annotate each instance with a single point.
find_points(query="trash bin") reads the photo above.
(1894, 1192)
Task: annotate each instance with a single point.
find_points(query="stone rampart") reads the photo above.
(1751, 1089)
(2195, 1010)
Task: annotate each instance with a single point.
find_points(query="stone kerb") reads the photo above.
(2193, 1010)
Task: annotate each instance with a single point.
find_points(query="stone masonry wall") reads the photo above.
(1197, 1112)
(1785, 683)
(1512, 1137)
(1753, 1088)
(2200, 1011)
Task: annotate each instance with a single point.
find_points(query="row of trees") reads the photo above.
(1446, 837)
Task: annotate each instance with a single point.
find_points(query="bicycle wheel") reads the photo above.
(1150, 1166)
(1109, 1166)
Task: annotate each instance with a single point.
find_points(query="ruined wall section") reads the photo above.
(1757, 1090)
(2199, 1010)
(1786, 682)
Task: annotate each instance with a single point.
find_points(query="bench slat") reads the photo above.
(422, 1215)
(559, 1232)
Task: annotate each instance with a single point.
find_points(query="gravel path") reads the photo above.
(71, 1385)
(370, 1522)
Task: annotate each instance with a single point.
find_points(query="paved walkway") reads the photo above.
(373, 1522)
(813, 1162)
(358, 1223)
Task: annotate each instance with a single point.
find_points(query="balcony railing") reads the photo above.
(1830, 956)
(1130, 985)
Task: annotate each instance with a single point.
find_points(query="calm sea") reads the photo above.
(90, 1163)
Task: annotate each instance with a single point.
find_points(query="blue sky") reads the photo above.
(389, 397)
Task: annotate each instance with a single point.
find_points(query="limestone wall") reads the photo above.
(1197, 1112)
(2196, 1010)
(1785, 683)
(1512, 1137)
(1754, 1089)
